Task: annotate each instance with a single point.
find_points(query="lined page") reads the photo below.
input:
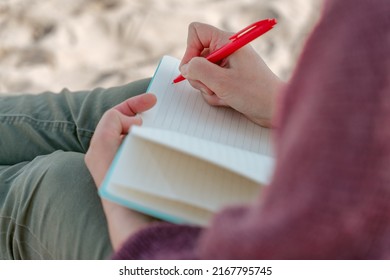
(181, 108)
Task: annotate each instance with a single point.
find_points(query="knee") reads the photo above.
(60, 177)
(62, 163)
(67, 171)
(67, 189)
(59, 195)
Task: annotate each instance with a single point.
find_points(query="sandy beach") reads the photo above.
(83, 44)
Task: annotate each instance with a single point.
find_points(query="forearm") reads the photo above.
(122, 222)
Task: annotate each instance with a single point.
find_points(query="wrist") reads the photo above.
(123, 222)
(263, 114)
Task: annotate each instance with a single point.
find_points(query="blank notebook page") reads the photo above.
(181, 108)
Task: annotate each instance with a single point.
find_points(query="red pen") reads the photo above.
(237, 41)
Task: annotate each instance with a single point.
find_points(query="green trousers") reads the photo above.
(49, 207)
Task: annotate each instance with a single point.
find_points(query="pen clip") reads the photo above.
(252, 27)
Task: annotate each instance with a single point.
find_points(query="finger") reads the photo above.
(127, 122)
(114, 124)
(213, 76)
(195, 46)
(214, 100)
(201, 87)
(209, 96)
(200, 37)
(137, 104)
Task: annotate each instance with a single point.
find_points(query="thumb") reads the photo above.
(211, 75)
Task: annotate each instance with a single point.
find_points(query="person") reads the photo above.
(329, 197)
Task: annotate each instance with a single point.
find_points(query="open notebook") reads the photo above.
(188, 159)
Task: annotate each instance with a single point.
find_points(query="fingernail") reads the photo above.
(138, 119)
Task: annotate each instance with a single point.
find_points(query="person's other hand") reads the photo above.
(111, 129)
(242, 81)
(109, 133)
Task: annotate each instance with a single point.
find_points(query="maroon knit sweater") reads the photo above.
(330, 194)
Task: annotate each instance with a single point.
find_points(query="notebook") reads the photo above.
(189, 159)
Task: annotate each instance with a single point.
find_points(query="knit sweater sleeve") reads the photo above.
(161, 241)
(330, 194)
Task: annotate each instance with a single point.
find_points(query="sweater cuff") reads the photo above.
(161, 241)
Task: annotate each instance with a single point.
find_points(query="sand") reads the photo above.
(83, 44)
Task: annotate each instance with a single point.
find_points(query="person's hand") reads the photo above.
(108, 136)
(109, 133)
(242, 81)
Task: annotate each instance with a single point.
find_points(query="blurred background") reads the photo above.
(83, 44)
